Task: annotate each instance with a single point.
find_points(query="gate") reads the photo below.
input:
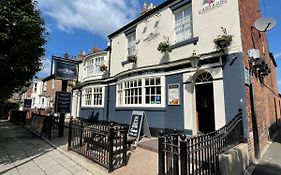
(179, 154)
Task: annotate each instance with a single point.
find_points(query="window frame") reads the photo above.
(93, 93)
(132, 45)
(93, 63)
(181, 10)
(121, 93)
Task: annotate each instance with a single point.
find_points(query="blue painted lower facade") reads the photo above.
(173, 116)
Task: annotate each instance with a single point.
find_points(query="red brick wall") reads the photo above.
(264, 95)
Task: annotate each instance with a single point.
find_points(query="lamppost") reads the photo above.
(259, 69)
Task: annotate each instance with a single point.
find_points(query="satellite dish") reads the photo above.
(265, 24)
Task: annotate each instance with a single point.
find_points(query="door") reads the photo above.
(205, 106)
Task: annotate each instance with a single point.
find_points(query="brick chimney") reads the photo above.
(96, 50)
(81, 55)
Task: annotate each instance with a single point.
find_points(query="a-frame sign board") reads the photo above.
(139, 127)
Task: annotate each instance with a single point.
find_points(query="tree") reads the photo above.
(22, 38)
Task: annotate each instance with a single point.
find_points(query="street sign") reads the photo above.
(65, 69)
(62, 103)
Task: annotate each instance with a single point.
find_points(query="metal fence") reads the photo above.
(103, 142)
(178, 154)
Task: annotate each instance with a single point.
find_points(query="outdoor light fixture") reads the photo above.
(258, 66)
(194, 60)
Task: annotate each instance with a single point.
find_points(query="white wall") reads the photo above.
(206, 26)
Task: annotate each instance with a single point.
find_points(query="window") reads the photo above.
(131, 43)
(93, 96)
(35, 87)
(153, 91)
(183, 24)
(93, 66)
(43, 101)
(147, 91)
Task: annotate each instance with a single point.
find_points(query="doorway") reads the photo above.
(205, 117)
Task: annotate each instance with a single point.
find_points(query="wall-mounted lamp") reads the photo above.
(194, 60)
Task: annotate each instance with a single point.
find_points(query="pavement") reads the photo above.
(270, 163)
(23, 153)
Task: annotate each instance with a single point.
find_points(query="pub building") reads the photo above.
(185, 64)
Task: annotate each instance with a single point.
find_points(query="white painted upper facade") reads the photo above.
(38, 100)
(164, 23)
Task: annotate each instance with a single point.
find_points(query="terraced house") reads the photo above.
(188, 65)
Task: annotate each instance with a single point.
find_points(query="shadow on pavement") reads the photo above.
(267, 169)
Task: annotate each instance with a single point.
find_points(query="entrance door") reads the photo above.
(205, 107)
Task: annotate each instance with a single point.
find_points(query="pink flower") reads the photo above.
(211, 1)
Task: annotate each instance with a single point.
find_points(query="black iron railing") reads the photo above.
(103, 142)
(179, 154)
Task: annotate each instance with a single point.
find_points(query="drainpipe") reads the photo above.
(108, 100)
(254, 119)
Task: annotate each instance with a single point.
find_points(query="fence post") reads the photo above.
(183, 154)
(81, 133)
(110, 148)
(69, 134)
(175, 153)
(125, 144)
(161, 154)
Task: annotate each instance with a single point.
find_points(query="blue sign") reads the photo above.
(65, 69)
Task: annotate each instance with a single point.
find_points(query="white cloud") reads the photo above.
(46, 67)
(100, 17)
(277, 55)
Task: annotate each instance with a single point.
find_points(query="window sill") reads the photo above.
(131, 108)
(91, 107)
(127, 62)
(193, 40)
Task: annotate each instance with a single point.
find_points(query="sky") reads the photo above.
(79, 25)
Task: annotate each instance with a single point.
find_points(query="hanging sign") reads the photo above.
(62, 103)
(65, 69)
(174, 94)
(139, 125)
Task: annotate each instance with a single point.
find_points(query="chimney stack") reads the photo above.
(96, 50)
(81, 55)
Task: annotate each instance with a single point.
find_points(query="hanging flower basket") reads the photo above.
(164, 46)
(132, 58)
(103, 67)
(222, 42)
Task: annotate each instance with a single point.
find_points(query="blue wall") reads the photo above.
(174, 114)
(169, 117)
(234, 88)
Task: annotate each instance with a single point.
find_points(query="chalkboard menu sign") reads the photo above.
(27, 103)
(62, 103)
(136, 122)
(139, 126)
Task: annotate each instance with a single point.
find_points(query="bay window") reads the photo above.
(92, 66)
(147, 91)
(92, 97)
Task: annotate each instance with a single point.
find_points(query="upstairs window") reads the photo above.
(183, 24)
(131, 43)
(93, 66)
(35, 87)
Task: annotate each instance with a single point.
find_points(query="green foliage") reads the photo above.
(164, 46)
(22, 38)
(222, 42)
